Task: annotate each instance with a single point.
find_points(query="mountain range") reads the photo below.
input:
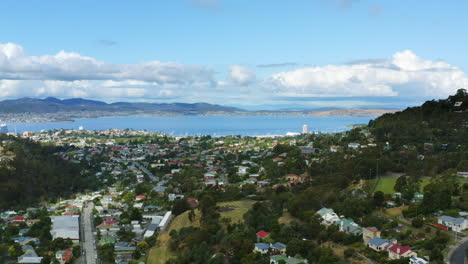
(77, 107)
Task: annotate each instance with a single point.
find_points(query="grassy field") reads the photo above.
(386, 184)
(161, 253)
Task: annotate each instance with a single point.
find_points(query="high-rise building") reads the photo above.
(305, 129)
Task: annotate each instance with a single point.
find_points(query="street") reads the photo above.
(458, 255)
(145, 170)
(88, 238)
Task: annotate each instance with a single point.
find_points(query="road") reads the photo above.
(88, 237)
(458, 255)
(146, 171)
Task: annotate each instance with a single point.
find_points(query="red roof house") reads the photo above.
(263, 234)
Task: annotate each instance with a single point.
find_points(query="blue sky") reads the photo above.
(297, 53)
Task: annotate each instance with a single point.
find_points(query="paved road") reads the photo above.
(146, 171)
(458, 256)
(88, 239)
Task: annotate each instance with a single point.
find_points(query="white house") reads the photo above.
(456, 224)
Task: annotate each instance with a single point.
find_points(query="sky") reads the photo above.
(253, 54)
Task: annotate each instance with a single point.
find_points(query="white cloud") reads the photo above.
(69, 66)
(405, 74)
(67, 74)
(241, 75)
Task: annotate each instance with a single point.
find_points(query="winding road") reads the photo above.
(458, 255)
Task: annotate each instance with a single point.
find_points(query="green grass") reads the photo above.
(386, 185)
(161, 253)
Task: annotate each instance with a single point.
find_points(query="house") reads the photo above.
(262, 248)
(368, 233)
(354, 145)
(65, 226)
(64, 256)
(261, 235)
(416, 260)
(328, 216)
(418, 197)
(30, 256)
(278, 248)
(277, 259)
(193, 202)
(139, 197)
(398, 251)
(456, 224)
(379, 244)
(349, 226)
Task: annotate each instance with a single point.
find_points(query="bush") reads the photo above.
(417, 222)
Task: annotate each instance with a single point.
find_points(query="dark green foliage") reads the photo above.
(434, 120)
(35, 174)
(180, 206)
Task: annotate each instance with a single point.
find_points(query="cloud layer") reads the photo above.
(68, 74)
(405, 74)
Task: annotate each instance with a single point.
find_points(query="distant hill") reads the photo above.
(54, 105)
(438, 122)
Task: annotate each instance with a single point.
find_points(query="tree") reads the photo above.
(379, 198)
(15, 250)
(180, 206)
(417, 222)
(349, 252)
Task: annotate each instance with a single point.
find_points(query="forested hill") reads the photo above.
(438, 122)
(35, 174)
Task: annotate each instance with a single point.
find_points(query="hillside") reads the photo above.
(439, 122)
(54, 105)
(35, 175)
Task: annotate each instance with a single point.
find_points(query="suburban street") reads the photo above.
(88, 238)
(458, 255)
(146, 171)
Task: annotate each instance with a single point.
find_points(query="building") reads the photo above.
(165, 221)
(276, 259)
(305, 129)
(380, 244)
(456, 224)
(369, 233)
(416, 260)
(30, 256)
(262, 248)
(398, 251)
(66, 226)
(328, 216)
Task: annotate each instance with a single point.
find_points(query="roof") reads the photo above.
(262, 246)
(263, 234)
(377, 241)
(446, 218)
(403, 249)
(325, 211)
(278, 246)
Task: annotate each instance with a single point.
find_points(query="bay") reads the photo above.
(203, 125)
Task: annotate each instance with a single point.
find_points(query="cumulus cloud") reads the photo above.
(405, 74)
(15, 64)
(67, 74)
(241, 75)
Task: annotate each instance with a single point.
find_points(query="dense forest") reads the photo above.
(439, 122)
(35, 174)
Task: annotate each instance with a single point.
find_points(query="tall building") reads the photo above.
(305, 129)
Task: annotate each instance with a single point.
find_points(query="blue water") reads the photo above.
(204, 125)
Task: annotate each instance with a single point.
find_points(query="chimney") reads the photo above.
(398, 250)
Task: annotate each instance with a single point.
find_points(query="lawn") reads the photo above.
(386, 184)
(161, 253)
